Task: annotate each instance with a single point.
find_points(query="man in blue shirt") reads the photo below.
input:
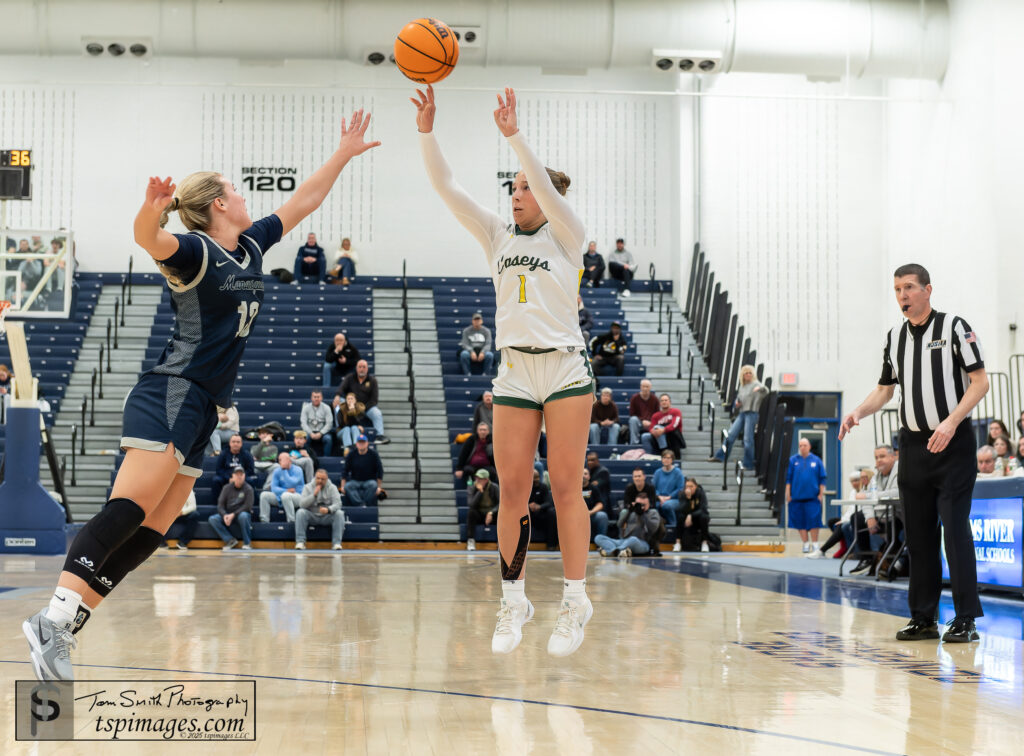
(286, 486)
(805, 491)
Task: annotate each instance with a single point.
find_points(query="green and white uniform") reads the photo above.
(536, 278)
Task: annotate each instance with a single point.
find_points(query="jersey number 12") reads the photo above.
(246, 315)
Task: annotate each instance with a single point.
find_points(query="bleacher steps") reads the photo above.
(758, 523)
(92, 470)
(397, 514)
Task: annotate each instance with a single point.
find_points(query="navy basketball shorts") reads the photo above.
(166, 409)
(805, 515)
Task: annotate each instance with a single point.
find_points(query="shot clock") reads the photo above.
(16, 174)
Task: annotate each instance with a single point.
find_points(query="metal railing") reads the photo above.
(740, 475)
(74, 455)
(679, 353)
(711, 423)
(650, 270)
(85, 406)
(668, 351)
(700, 415)
(689, 381)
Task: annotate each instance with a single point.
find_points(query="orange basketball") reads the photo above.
(426, 50)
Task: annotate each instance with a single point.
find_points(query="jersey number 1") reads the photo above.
(522, 289)
(246, 315)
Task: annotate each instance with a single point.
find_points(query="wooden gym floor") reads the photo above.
(368, 652)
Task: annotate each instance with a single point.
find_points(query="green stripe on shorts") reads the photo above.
(574, 391)
(514, 401)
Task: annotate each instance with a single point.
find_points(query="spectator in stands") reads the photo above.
(483, 506)
(856, 485)
(639, 484)
(189, 521)
(234, 504)
(642, 407)
(347, 417)
(286, 483)
(5, 379)
(595, 505)
(866, 475)
(317, 419)
(363, 480)
(303, 455)
(805, 492)
(666, 429)
(668, 482)
(320, 505)
(264, 454)
(593, 266)
(1017, 463)
(602, 479)
(1003, 448)
(542, 511)
(1020, 425)
(996, 428)
(621, 266)
(866, 524)
(632, 528)
(477, 454)
(476, 346)
(340, 360)
(227, 426)
(748, 402)
(609, 349)
(484, 412)
(987, 463)
(232, 457)
(310, 261)
(586, 319)
(344, 270)
(364, 386)
(604, 420)
(693, 511)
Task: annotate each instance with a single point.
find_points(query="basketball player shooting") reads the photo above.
(536, 265)
(215, 274)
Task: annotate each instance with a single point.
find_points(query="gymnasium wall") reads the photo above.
(99, 130)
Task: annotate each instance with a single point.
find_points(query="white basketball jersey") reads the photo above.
(536, 282)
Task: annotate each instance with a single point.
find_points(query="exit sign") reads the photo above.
(789, 380)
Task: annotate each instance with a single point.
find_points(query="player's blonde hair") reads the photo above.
(193, 198)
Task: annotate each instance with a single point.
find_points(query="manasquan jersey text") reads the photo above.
(536, 273)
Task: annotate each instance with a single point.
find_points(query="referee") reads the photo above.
(937, 360)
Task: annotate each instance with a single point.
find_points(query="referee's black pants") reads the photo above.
(938, 487)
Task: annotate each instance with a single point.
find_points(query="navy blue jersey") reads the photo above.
(216, 299)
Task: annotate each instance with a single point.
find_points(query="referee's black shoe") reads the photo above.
(918, 630)
(961, 630)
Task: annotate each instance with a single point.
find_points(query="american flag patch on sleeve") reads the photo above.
(970, 338)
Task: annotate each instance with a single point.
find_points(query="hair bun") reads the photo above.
(175, 203)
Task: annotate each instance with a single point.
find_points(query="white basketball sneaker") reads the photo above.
(568, 633)
(509, 630)
(50, 645)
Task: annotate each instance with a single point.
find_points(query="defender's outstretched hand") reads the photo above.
(352, 135)
(505, 115)
(425, 109)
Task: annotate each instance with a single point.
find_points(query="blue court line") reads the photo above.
(1003, 617)
(481, 696)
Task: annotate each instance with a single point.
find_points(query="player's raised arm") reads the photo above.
(478, 220)
(149, 232)
(312, 192)
(565, 224)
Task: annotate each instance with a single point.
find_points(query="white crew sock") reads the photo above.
(575, 590)
(513, 591)
(63, 606)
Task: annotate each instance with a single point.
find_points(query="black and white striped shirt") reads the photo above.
(930, 362)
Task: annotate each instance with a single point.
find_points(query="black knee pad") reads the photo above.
(132, 553)
(101, 536)
(515, 569)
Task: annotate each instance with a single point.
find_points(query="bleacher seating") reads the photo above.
(454, 304)
(283, 362)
